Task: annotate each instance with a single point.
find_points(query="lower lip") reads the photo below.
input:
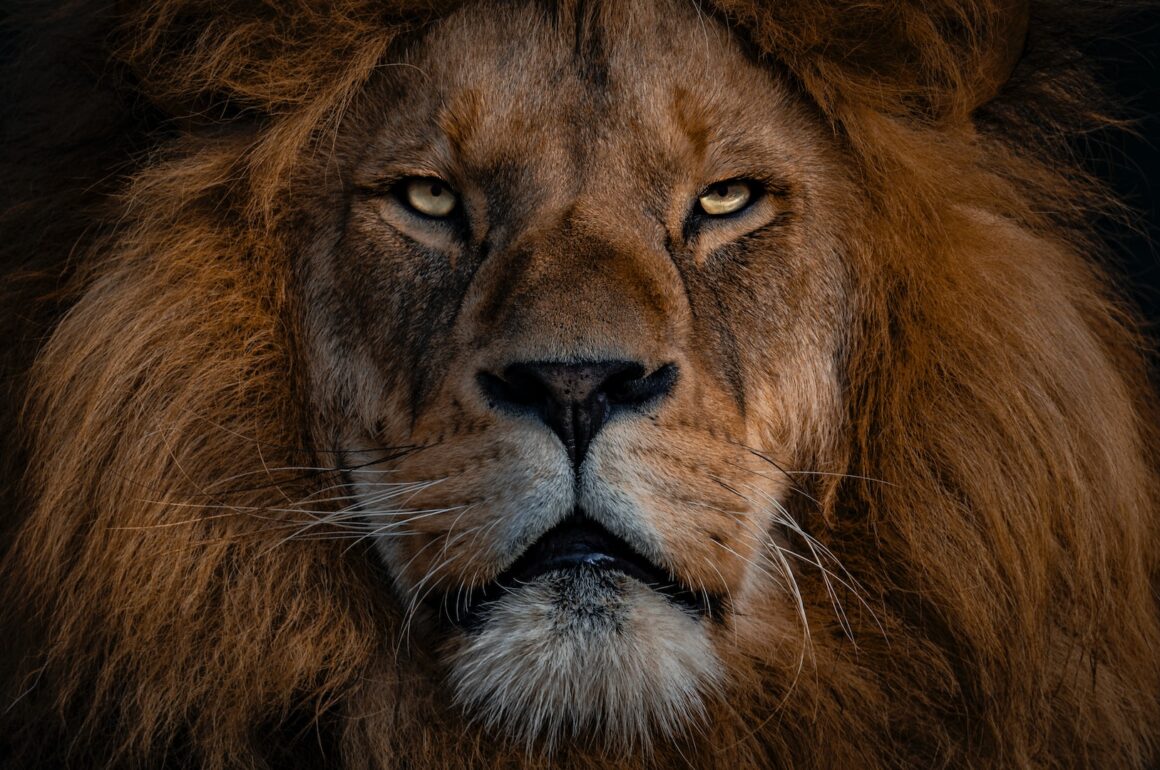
(474, 614)
(594, 560)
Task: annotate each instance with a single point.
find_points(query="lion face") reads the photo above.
(567, 384)
(580, 322)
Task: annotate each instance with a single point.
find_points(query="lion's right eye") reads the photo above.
(428, 196)
(725, 198)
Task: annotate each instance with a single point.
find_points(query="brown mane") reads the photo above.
(999, 411)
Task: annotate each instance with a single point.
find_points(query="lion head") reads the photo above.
(574, 384)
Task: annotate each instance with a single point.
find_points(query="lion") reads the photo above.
(568, 384)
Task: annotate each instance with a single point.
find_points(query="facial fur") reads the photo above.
(578, 239)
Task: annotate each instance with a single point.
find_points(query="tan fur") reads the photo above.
(935, 503)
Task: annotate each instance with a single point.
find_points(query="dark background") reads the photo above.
(1129, 60)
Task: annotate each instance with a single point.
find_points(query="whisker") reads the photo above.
(819, 551)
(417, 599)
(765, 454)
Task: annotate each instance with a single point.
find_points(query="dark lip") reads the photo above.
(576, 543)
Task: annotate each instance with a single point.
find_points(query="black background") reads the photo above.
(1129, 61)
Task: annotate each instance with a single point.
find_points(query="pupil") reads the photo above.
(722, 191)
(436, 190)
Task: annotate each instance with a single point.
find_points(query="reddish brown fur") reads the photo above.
(998, 416)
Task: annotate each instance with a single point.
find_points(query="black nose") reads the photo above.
(575, 400)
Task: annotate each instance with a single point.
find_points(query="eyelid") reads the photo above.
(386, 182)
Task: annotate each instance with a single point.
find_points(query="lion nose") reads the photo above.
(576, 400)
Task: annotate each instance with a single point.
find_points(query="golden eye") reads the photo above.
(726, 198)
(429, 196)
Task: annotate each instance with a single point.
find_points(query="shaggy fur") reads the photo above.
(992, 490)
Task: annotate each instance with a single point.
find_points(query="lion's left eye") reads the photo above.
(429, 196)
(724, 198)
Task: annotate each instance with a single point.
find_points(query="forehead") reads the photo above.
(566, 82)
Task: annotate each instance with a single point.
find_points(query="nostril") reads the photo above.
(629, 388)
(515, 388)
(576, 399)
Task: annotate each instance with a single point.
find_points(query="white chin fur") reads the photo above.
(592, 653)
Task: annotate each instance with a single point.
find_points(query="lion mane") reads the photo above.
(997, 500)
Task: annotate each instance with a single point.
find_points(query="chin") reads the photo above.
(582, 636)
(581, 647)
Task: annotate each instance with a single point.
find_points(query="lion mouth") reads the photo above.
(576, 545)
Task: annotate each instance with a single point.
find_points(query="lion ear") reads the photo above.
(935, 59)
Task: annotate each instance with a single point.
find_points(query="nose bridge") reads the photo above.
(580, 294)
